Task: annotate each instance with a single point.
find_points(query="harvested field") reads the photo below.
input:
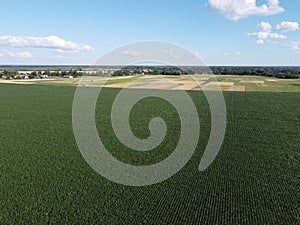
(252, 82)
(159, 84)
(192, 82)
(237, 88)
(221, 83)
(186, 86)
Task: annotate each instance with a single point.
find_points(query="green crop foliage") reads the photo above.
(44, 179)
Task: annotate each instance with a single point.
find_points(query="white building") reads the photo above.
(21, 76)
(67, 76)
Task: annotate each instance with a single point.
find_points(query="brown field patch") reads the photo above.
(186, 86)
(252, 82)
(221, 83)
(15, 82)
(147, 84)
(237, 88)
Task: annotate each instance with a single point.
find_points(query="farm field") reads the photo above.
(226, 82)
(254, 180)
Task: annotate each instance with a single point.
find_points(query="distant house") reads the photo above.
(44, 76)
(4, 77)
(67, 76)
(21, 76)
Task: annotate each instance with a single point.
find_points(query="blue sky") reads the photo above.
(221, 32)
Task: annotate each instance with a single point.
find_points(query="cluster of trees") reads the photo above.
(149, 71)
(56, 73)
(40, 73)
(8, 73)
(279, 72)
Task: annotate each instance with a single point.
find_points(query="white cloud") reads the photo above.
(265, 34)
(265, 26)
(19, 54)
(64, 52)
(277, 36)
(293, 45)
(260, 42)
(238, 53)
(133, 53)
(238, 9)
(286, 26)
(262, 35)
(51, 42)
(62, 56)
(225, 55)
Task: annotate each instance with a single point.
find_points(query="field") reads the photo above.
(227, 83)
(254, 180)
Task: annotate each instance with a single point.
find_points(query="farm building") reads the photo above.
(21, 76)
(67, 76)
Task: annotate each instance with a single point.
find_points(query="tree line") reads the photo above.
(278, 72)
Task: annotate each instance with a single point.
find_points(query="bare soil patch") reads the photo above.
(252, 82)
(221, 83)
(237, 88)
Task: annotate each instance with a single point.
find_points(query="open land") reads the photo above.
(183, 82)
(254, 179)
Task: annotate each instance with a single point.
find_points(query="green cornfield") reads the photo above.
(255, 178)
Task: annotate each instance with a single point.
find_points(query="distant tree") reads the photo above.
(33, 74)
